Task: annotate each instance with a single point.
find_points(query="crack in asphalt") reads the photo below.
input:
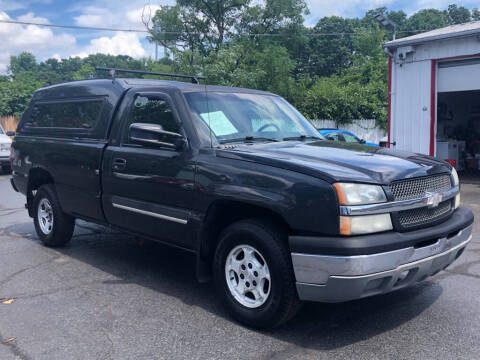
(24, 296)
(12, 276)
(15, 349)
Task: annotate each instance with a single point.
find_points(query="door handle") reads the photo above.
(119, 164)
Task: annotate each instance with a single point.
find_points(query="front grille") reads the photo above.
(417, 188)
(423, 216)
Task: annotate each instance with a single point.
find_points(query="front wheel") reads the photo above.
(53, 226)
(254, 275)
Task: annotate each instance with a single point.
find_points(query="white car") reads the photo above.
(5, 143)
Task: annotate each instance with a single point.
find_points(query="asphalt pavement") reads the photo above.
(108, 295)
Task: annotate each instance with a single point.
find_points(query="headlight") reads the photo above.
(359, 194)
(357, 225)
(456, 181)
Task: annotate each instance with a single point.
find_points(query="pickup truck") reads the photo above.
(275, 214)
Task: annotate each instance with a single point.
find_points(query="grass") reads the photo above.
(9, 123)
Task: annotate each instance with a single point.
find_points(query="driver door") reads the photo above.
(149, 188)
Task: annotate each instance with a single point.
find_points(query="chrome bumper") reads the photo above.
(341, 278)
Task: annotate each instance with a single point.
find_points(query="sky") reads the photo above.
(45, 42)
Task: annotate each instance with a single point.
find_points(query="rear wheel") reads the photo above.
(53, 226)
(254, 275)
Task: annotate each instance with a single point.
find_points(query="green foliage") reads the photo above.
(15, 95)
(334, 70)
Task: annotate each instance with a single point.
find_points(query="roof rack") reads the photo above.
(113, 71)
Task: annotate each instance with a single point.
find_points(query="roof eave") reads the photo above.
(398, 43)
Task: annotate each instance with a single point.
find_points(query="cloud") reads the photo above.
(122, 14)
(122, 43)
(35, 39)
(416, 5)
(30, 17)
(345, 8)
(89, 20)
(7, 5)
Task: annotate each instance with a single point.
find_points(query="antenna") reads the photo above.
(208, 112)
(113, 71)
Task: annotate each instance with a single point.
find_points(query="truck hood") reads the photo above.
(335, 161)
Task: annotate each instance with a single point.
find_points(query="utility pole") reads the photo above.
(156, 30)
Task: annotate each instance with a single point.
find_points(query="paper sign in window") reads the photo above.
(219, 123)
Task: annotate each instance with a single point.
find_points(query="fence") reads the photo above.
(364, 129)
(9, 123)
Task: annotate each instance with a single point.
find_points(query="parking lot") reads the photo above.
(110, 296)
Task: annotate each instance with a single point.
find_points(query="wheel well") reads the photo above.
(36, 178)
(223, 213)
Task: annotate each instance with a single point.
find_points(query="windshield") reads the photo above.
(1, 131)
(234, 116)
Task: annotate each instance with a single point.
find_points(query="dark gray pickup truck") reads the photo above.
(274, 213)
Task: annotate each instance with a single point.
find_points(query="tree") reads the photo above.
(198, 25)
(475, 14)
(425, 20)
(15, 95)
(22, 63)
(458, 15)
(326, 54)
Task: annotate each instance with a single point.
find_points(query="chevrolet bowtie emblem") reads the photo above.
(433, 199)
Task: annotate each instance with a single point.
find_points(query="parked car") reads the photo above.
(5, 143)
(273, 212)
(344, 136)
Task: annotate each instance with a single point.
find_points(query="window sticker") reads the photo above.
(219, 123)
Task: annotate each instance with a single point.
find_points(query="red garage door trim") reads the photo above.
(389, 98)
(433, 96)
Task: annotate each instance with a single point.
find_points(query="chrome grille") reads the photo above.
(423, 216)
(418, 187)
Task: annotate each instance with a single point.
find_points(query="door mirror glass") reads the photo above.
(10, 133)
(155, 135)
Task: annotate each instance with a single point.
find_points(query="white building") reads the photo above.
(434, 93)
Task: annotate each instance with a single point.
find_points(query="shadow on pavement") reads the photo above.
(172, 272)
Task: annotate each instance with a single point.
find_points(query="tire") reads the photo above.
(6, 169)
(53, 226)
(278, 302)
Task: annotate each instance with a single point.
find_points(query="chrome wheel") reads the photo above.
(45, 216)
(248, 276)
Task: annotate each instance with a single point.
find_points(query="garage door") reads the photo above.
(461, 75)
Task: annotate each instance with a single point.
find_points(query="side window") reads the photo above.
(350, 138)
(334, 137)
(69, 115)
(151, 110)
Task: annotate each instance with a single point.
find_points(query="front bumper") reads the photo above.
(337, 278)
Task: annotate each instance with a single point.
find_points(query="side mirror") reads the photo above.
(10, 133)
(362, 141)
(154, 135)
(331, 138)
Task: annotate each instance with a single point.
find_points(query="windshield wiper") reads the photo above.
(302, 137)
(248, 139)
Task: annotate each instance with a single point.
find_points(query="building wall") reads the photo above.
(411, 91)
